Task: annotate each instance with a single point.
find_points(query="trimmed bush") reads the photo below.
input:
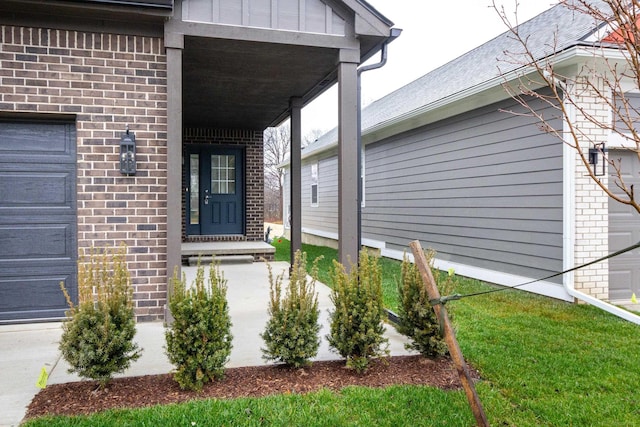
(199, 340)
(417, 320)
(292, 331)
(357, 320)
(97, 337)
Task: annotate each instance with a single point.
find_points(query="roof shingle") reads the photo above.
(554, 30)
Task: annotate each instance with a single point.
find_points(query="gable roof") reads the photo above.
(554, 30)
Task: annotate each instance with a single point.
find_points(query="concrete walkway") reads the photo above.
(25, 349)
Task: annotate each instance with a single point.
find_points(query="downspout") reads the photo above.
(395, 33)
(569, 225)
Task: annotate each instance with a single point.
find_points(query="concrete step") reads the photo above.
(226, 252)
(222, 259)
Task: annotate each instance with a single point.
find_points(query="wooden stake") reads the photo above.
(449, 334)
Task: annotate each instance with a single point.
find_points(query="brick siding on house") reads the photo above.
(252, 142)
(105, 82)
(591, 203)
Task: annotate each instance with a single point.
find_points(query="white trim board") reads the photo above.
(553, 290)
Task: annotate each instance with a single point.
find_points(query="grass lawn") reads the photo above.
(543, 363)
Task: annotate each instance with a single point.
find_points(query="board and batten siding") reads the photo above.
(311, 16)
(484, 189)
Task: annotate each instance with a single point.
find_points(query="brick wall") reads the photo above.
(252, 143)
(591, 203)
(105, 82)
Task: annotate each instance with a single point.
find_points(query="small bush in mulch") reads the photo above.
(199, 339)
(357, 331)
(97, 337)
(292, 331)
(416, 318)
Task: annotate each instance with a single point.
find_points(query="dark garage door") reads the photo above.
(624, 231)
(37, 219)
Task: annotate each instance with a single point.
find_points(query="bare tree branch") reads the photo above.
(613, 70)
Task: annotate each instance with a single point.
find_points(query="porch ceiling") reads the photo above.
(237, 84)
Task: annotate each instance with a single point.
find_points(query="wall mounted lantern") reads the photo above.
(594, 158)
(128, 153)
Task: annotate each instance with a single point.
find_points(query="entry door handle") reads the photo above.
(207, 196)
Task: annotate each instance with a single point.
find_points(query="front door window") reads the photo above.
(223, 174)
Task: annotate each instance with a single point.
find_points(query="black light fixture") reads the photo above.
(594, 154)
(128, 153)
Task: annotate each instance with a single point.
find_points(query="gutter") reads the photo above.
(395, 33)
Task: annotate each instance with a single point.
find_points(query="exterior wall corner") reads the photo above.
(591, 235)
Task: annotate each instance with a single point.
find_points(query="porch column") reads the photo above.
(348, 173)
(296, 176)
(174, 160)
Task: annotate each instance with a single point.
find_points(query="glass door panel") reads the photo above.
(194, 189)
(223, 173)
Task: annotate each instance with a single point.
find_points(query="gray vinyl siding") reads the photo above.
(323, 217)
(483, 189)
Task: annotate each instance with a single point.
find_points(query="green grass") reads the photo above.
(389, 267)
(543, 363)
(414, 406)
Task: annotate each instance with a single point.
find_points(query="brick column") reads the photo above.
(591, 239)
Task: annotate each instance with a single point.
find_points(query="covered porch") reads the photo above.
(235, 68)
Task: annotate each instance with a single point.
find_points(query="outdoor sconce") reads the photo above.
(128, 153)
(594, 154)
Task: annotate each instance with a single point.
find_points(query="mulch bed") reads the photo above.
(85, 397)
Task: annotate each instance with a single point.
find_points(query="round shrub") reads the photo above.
(97, 337)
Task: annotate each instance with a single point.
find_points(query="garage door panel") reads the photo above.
(619, 239)
(35, 293)
(38, 220)
(24, 189)
(621, 211)
(624, 231)
(30, 297)
(623, 287)
(40, 139)
(34, 242)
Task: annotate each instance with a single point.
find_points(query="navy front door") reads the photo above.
(215, 199)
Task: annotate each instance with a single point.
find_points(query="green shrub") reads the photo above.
(199, 340)
(292, 331)
(357, 319)
(97, 337)
(417, 320)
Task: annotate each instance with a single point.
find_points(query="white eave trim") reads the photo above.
(491, 90)
(486, 93)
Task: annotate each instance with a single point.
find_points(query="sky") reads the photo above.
(434, 32)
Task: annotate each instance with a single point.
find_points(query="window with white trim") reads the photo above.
(314, 184)
(362, 178)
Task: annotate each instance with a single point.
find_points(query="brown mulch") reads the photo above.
(85, 397)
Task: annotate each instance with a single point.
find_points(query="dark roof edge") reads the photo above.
(374, 11)
(160, 4)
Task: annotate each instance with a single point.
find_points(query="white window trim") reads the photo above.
(314, 182)
(363, 178)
